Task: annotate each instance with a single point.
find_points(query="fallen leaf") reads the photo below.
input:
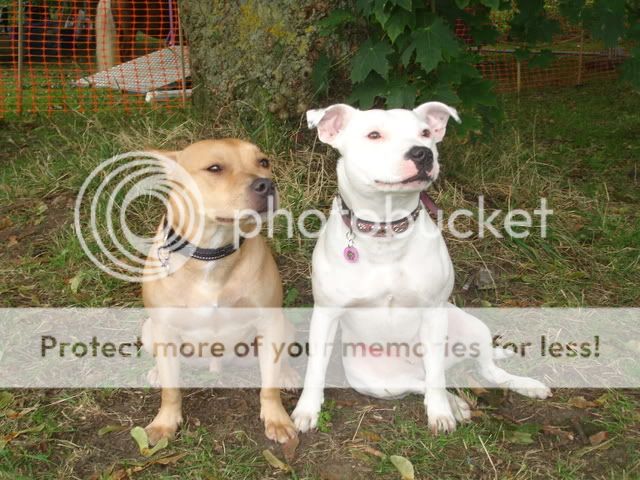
(369, 436)
(289, 448)
(522, 438)
(111, 429)
(6, 439)
(74, 283)
(5, 222)
(140, 436)
(169, 460)
(404, 466)
(373, 451)
(557, 431)
(12, 240)
(6, 399)
(598, 438)
(581, 402)
(275, 462)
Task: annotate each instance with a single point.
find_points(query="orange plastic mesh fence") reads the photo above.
(91, 55)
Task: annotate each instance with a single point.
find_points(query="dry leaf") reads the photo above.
(111, 429)
(598, 438)
(5, 222)
(275, 462)
(12, 240)
(373, 451)
(404, 466)
(558, 432)
(581, 402)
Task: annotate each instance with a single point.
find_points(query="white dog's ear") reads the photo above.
(330, 121)
(436, 114)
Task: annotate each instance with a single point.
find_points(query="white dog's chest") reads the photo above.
(419, 274)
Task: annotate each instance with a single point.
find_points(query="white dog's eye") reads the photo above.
(426, 133)
(374, 135)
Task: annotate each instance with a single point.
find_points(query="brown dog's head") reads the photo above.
(231, 175)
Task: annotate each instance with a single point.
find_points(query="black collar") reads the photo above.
(175, 243)
(384, 229)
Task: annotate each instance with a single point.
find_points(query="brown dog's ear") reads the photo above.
(330, 121)
(437, 114)
(172, 155)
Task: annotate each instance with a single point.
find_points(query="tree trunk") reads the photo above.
(253, 55)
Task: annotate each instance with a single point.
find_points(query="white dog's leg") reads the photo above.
(433, 334)
(468, 329)
(322, 332)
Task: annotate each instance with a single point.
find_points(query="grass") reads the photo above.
(579, 148)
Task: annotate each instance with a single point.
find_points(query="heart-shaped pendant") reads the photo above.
(351, 254)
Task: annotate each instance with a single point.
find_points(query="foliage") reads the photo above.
(410, 54)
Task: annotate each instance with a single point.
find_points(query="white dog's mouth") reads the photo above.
(419, 178)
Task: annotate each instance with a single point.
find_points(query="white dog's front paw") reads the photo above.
(305, 416)
(440, 415)
(529, 387)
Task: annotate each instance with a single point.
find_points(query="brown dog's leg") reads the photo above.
(277, 423)
(169, 416)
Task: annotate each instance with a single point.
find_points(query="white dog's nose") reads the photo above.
(422, 157)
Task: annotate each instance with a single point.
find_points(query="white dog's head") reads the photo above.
(387, 150)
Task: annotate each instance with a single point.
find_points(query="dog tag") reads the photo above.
(351, 254)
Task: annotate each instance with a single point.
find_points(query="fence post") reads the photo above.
(182, 56)
(580, 57)
(518, 76)
(19, 98)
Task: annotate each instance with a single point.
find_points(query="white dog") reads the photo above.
(395, 262)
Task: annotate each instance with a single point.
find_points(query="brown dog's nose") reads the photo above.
(263, 187)
(422, 157)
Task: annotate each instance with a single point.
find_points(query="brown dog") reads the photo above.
(230, 175)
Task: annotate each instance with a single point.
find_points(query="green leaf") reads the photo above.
(571, 9)
(320, 75)
(493, 4)
(111, 429)
(380, 13)
(403, 466)
(370, 57)
(462, 4)
(477, 92)
(140, 436)
(6, 399)
(431, 44)
(401, 94)
(291, 296)
(275, 462)
(406, 4)
(365, 93)
(631, 69)
(607, 21)
(397, 24)
(335, 19)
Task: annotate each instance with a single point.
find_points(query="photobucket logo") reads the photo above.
(115, 199)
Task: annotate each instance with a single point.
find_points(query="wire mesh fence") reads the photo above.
(90, 55)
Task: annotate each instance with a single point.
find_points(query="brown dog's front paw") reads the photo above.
(280, 430)
(277, 424)
(159, 429)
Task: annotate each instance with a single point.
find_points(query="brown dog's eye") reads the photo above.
(265, 163)
(374, 135)
(426, 133)
(215, 168)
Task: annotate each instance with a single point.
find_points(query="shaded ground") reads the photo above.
(579, 148)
